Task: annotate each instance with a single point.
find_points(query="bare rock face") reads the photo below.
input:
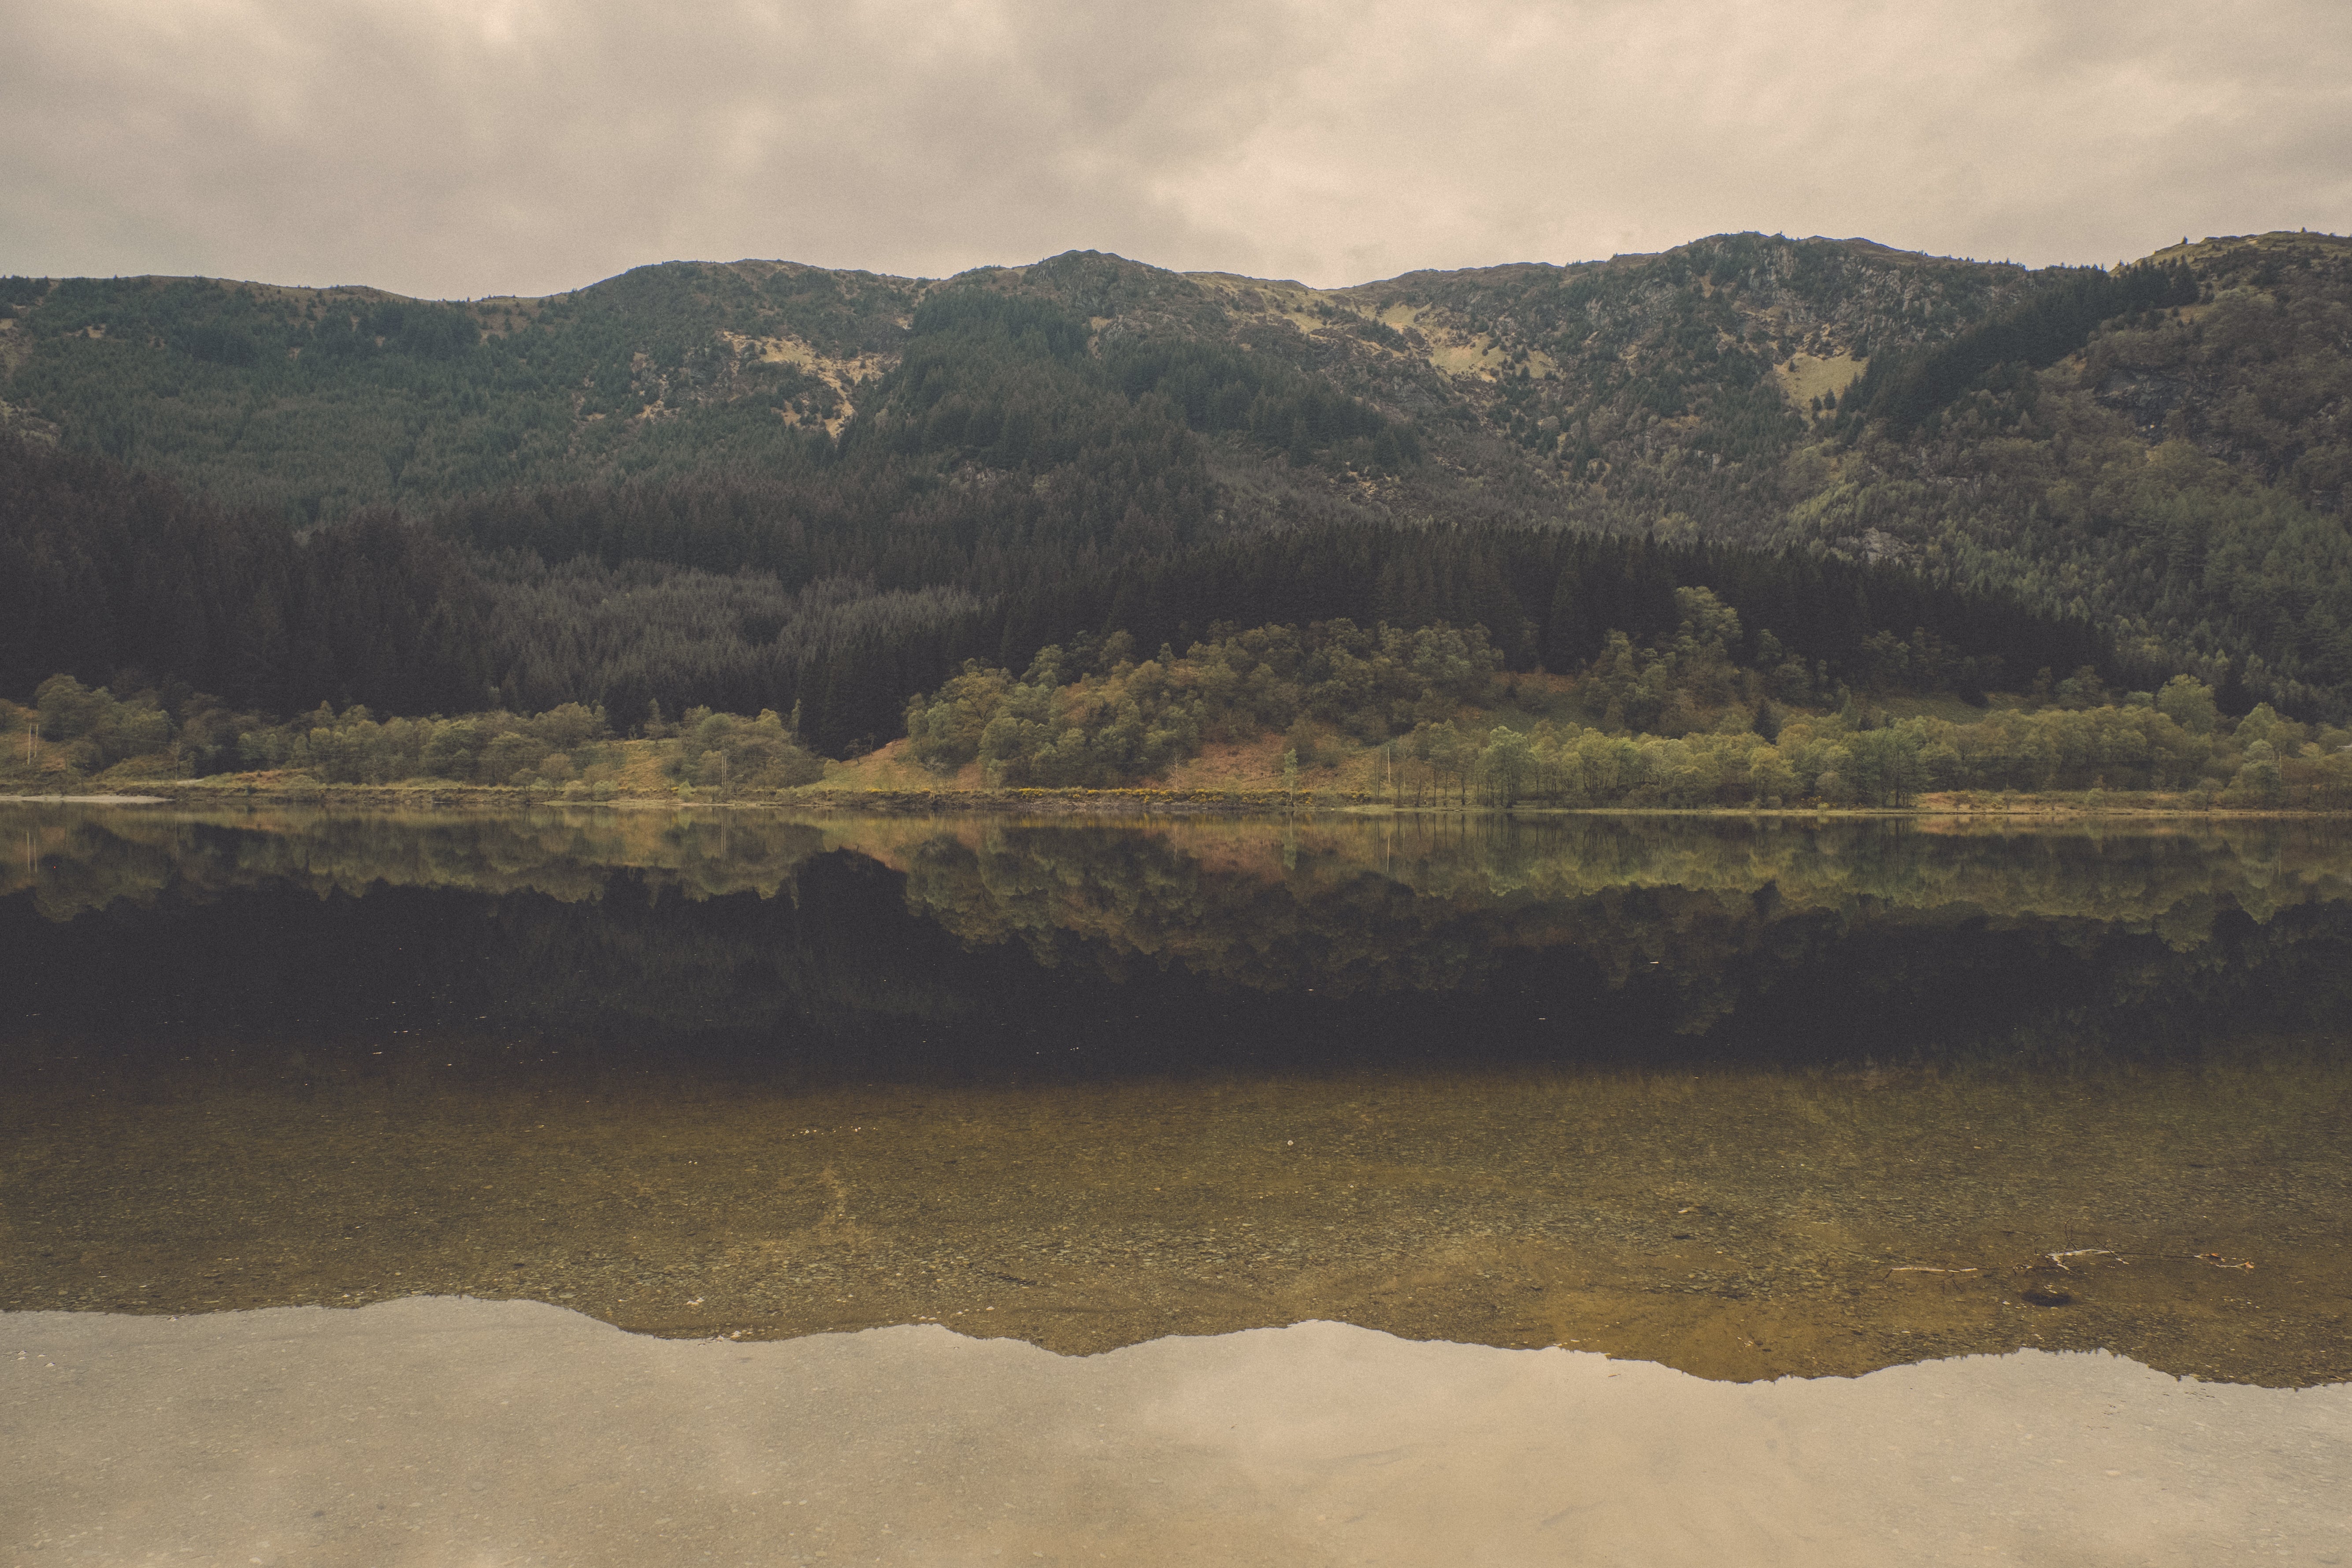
(2147, 398)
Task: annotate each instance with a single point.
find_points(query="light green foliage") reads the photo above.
(570, 745)
(1832, 759)
(1709, 626)
(720, 752)
(1855, 759)
(1506, 764)
(1662, 690)
(2259, 781)
(1770, 778)
(354, 746)
(1118, 720)
(2188, 702)
(2263, 724)
(947, 730)
(1409, 693)
(88, 730)
(1446, 752)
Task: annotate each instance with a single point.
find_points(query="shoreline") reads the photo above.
(1141, 802)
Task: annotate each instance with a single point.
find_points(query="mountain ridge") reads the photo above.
(2177, 474)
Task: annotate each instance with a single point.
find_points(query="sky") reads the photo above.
(459, 148)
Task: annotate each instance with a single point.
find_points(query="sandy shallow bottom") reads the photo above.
(1741, 1226)
(444, 1430)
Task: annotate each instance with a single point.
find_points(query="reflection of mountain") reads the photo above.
(894, 945)
(2092, 443)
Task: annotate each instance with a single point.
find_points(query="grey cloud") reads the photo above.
(461, 148)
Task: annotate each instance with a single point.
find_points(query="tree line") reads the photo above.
(1420, 703)
(72, 731)
(1683, 723)
(1096, 716)
(752, 593)
(1850, 758)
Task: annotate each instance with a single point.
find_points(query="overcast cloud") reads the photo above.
(497, 146)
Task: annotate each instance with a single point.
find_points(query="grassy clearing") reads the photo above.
(1808, 376)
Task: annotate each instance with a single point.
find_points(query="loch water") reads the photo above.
(1746, 1097)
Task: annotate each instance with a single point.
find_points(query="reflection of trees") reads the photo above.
(1114, 900)
(79, 859)
(1193, 889)
(830, 961)
(1605, 933)
(1375, 904)
(2136, 878)
(1693, 920)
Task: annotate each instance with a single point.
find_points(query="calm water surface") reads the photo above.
(1747, 1098)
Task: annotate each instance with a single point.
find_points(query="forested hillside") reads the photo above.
(125, 579)
(756, 484)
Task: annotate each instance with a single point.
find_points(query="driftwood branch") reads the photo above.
(2059, 1258)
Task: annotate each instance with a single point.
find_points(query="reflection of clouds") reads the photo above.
(491, 1431)
(448, 149)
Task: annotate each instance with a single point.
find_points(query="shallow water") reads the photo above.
(1747, 1099)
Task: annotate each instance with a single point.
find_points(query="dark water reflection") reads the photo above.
(1746, 1097)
